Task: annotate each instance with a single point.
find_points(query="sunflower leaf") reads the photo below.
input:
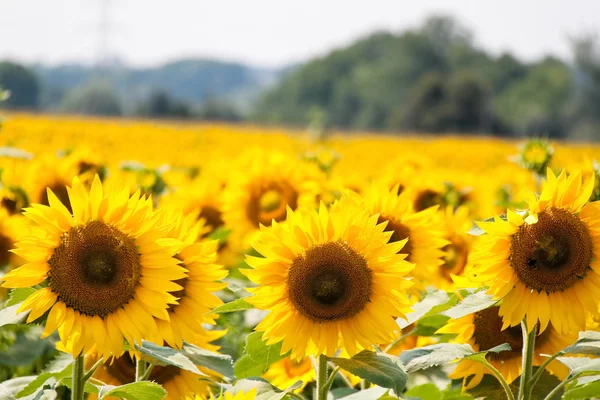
(259, 353)
(169, 356)
(378, 368)
(373, 393)
(19, 295)
(27, 348)
(9, 316)
(423, 307)
(586, 391)
(480, 356)
(233, 306)
(134, 391)
(581, 365)
(470, 304)
(587, 343)
(10, 388)
(442, 353)
(221, 363)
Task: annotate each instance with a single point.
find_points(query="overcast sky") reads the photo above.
(270, 33)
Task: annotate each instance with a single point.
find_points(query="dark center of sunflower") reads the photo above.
(399, 232)
(456, 255)
(212, 216)
(60, 190)
(6, 244)
(268, 202)
(330, 282)
(427, 198)
(553, 253)
(9, 205)
(123, 369)
(95, 269)
(488, 333)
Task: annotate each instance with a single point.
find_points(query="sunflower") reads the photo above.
(484, 330)
(330, 280)
(284, 373)
(460, 243)
(48, 171)
(179, 383)
(423, 231)
(106, 269)
(195, 299)
(262, 190)
(545, 263)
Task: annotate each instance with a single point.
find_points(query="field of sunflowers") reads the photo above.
(151, 259)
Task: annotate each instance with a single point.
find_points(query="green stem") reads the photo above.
(140, 369)
(538, 374)
(498, 375)
(78, 382)
(330, 380)
(321, 374)
(557, 389)
(528, 349)
(148, 372)
(89, 374)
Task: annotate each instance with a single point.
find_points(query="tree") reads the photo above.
(94, 98)
(22, 84)
(160, 104)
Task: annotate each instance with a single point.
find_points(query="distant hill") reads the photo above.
(190, 80)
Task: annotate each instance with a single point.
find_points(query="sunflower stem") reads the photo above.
(89, 374)
(140, 369)
(538, 374)
(78, 374)
(148, 372)
(400, 339)
(321, 374)
(330, 380)
(528, 349)
(498, 375)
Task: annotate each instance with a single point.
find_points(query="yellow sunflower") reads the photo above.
(484, 330)
(545, 264)
(262, 189)
(456, 252)
(422, 229)
(286, 372)
(330, 280)
(196, 297)
(106, 269)
(179, 384)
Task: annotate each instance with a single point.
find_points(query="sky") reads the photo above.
(269, 33)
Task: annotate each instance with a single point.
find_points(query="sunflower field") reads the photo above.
(164, 260)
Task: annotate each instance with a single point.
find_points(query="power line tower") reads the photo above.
(103, 53)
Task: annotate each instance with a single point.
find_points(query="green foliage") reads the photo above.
(258, 356)
(9, 316)
(587, 343)
(233, 306)
(134, 391)
(95, 98)
(264, 390)
(378, 368)
(22, 83)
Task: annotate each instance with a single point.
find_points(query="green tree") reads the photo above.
(22, 84)
(95, 99)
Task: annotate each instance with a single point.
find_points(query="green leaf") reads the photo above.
(19, 295)
(428, 326)
(221, 363)
(490, 388)
(10, 388)
(233, 306)
(27, 348)
(378, 368)
(369, 394)
(587, 391)
(587, 343)
(9, 316)
(443, 353)
(221, 234)
(261, 354)
(88, 388)
(168, 356)
(581, 365)
(427, 391)
(475, 302)
(36, 384)
(341, 392)
(245, 367)
(134, 391)
(432, 299)
(480, 356)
